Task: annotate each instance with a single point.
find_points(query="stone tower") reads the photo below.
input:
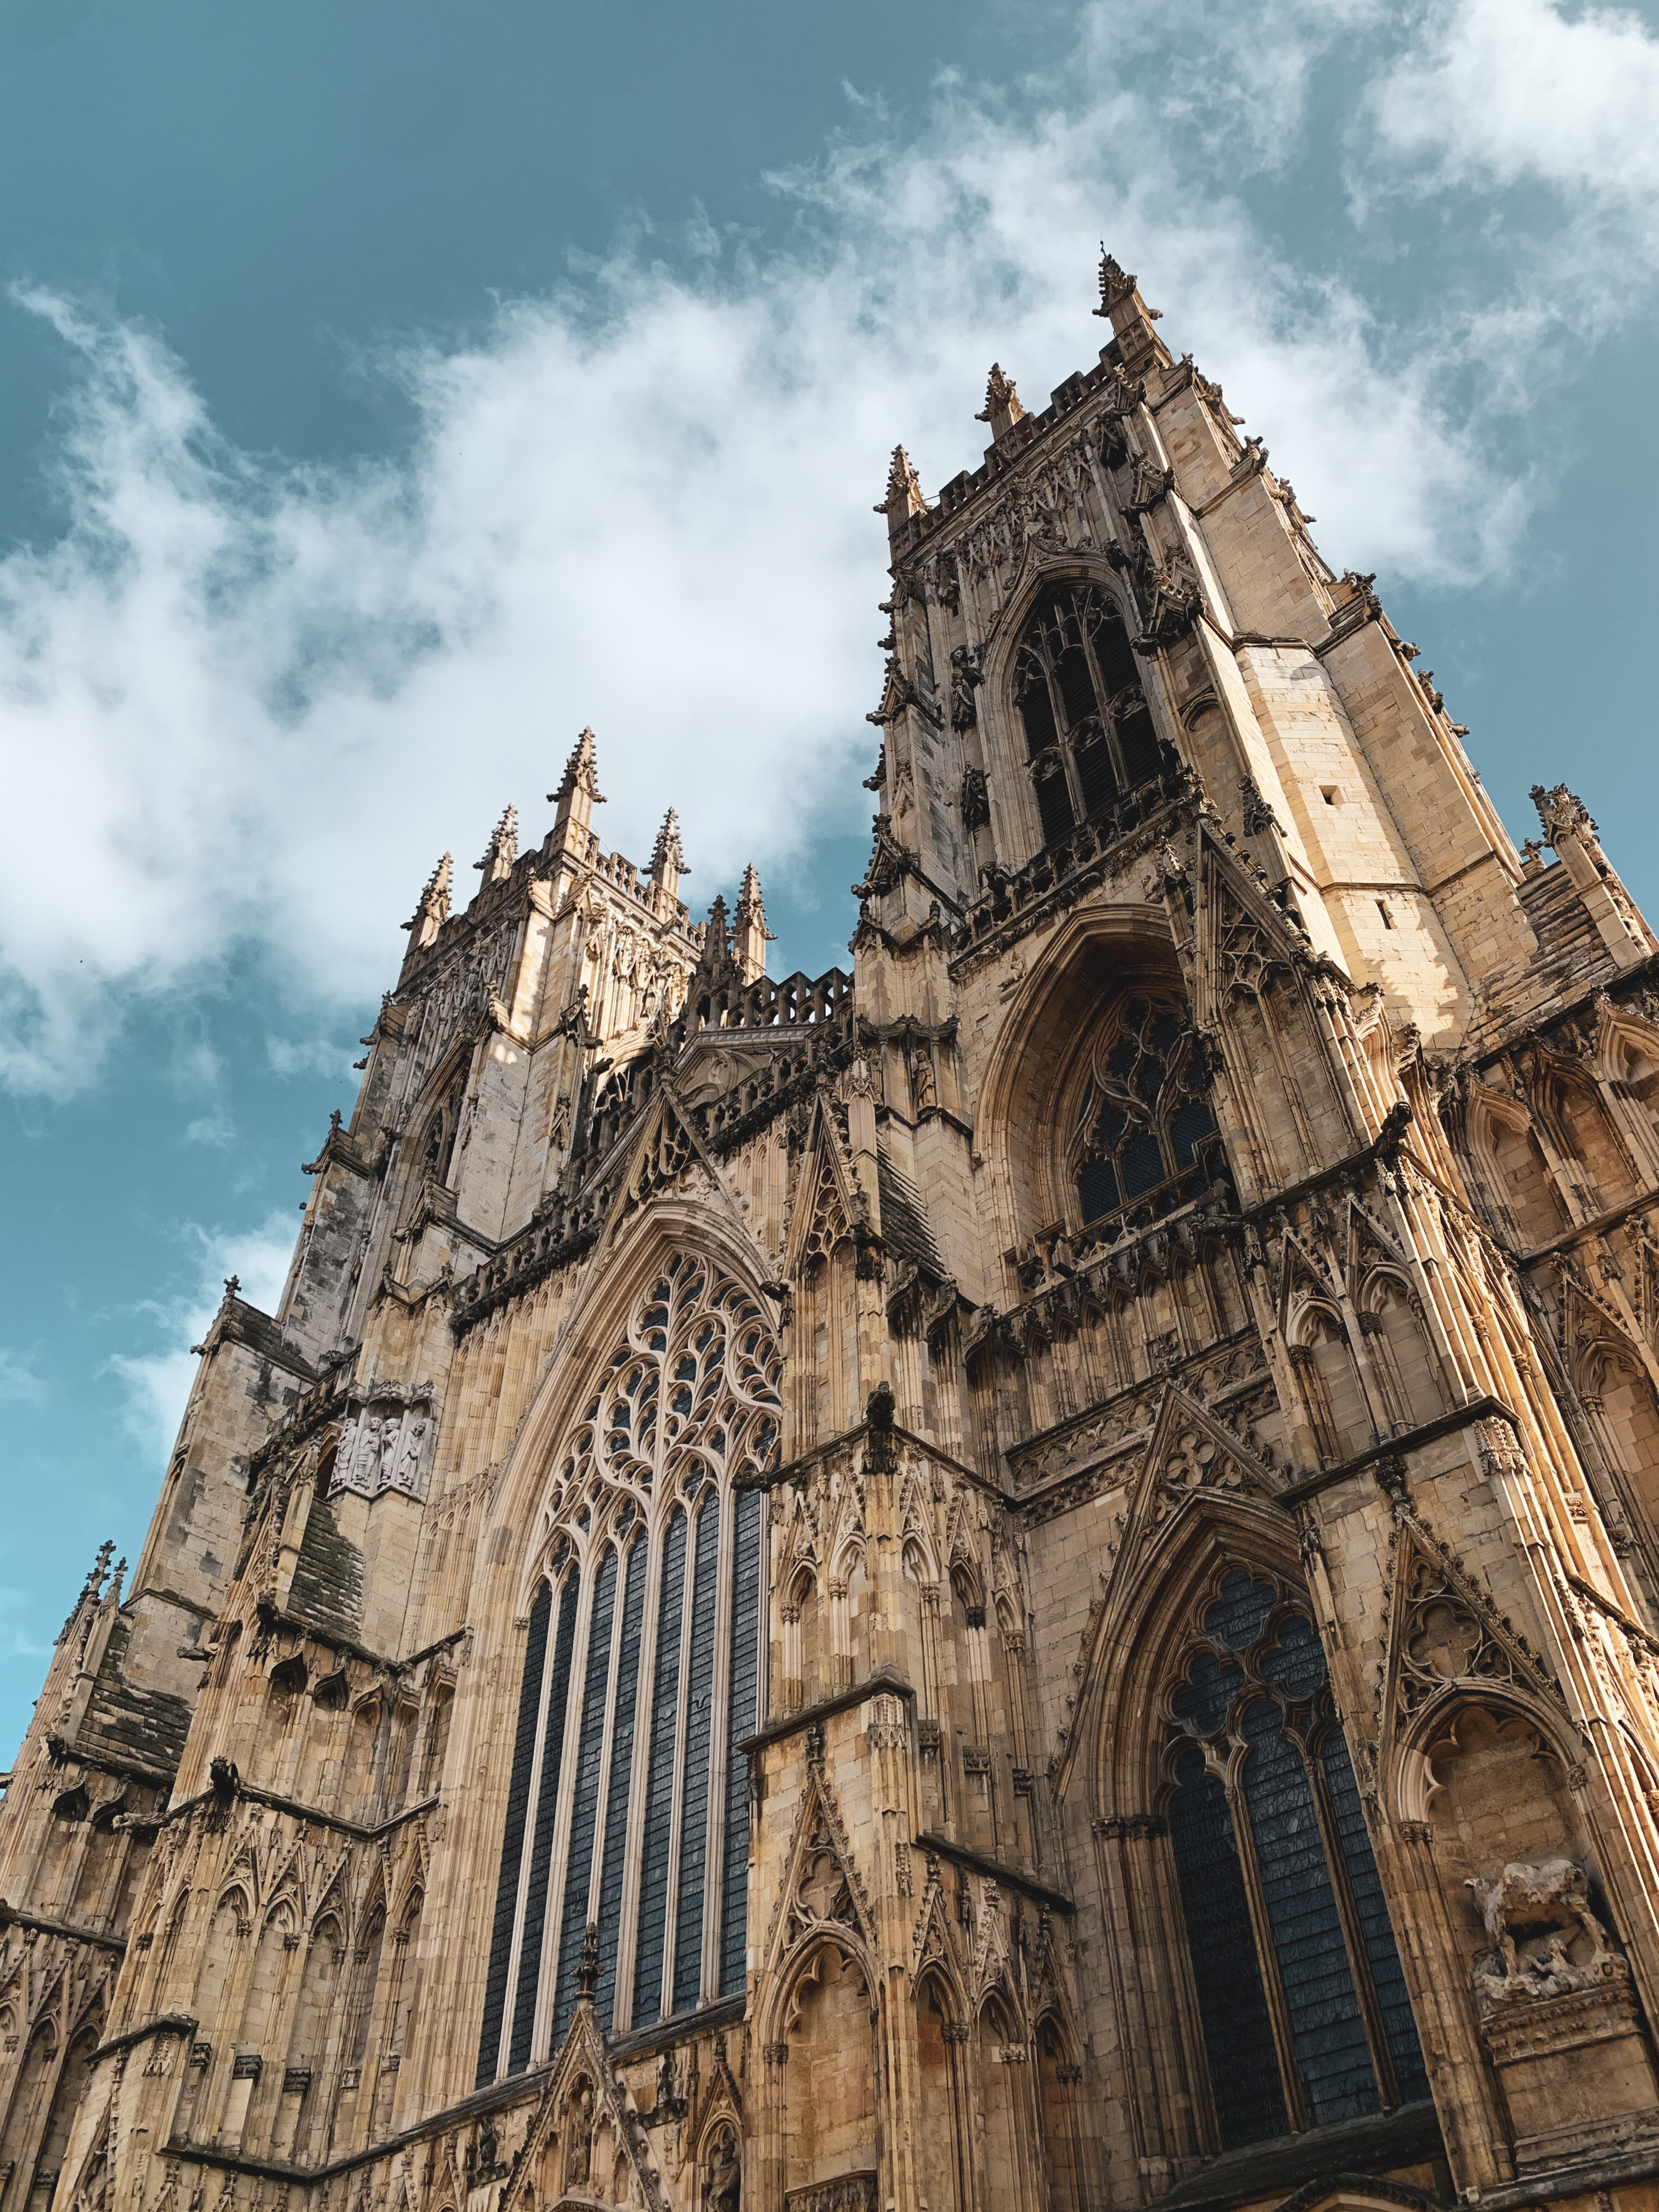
(1027, 1579)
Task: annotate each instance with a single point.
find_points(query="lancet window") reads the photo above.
(641, 1665)
(1301, 1999)
(1089, 736)
(1144, 1139)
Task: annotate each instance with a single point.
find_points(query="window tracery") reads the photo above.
(1301, 1999)
(1089, 735)
(645, 1616)
(1144, 1139)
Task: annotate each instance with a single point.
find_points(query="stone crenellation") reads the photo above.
(1022, 1576)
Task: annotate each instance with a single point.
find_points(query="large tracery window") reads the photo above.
(1300, 1995)
(1089, 735)
(645, 1624)
(1143, 1140)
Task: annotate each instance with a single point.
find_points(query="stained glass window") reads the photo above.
(644, 1499)
(1288, 2022)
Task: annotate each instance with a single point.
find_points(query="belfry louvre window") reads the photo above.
(641, 1659)
(1301, 1999)
(1089, 736)
(1143, 1140)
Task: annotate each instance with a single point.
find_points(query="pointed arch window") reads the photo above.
(1301, 1999)
(1143, 1138)
(1089, 735)
(644, 1636)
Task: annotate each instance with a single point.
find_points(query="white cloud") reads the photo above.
(19, 1383)
(315, 1055)
(1504, 91)
(254, 701)
(156, 1383)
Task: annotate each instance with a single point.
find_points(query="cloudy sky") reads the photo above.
(392, 389)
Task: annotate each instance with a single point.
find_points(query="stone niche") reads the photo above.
(386, 1442)
(1557, 2007)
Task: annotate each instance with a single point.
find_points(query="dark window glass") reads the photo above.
(517, 1809)
(541, 1848)
(1231, 2008)
(740, 1723)
(693, 1820)
(1054, 806)
(1301, 1836)
(1145, 1117)
(585, 1796)
(1077, 686)
(1329, 2032)
(609, 1915)
(659, 1781)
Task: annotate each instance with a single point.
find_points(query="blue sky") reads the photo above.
(389, 391)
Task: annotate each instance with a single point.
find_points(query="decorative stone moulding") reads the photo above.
(386, 1442)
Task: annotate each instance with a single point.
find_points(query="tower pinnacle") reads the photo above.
(502, 850)
(578, 793)
(667, 856)
(1002, 409)
(433, 910)
(751, 938)
(904, 496)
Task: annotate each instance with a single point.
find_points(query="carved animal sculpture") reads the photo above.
(1555, 1892)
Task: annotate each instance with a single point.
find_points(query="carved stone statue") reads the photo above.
(1551, 1898)
(578, 2131)
(725, 2179)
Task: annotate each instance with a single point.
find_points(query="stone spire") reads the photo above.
(903, 497)
(1002, 409)
(502, 850)
(578, 795)
(667, 857)
(433, 911)
(751, 937)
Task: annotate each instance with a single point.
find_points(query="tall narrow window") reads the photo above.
(740, 1717)
(653, 1523)
(694, 1818)
(1144, 1139)
(585, 1801)
(1301, 1999)
(547, 1811)
(608, 1913)
(1089, 735)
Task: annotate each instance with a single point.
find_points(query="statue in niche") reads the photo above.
(367, 1456)
(1546, 1941)
(725, 2176)
(923, 1090)
(408, 1471)
(579, 2127)
(391, 1434)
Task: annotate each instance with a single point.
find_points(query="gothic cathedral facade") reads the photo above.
(1022, 1580)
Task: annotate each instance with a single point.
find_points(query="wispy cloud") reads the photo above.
(156, 1383)
(258, 699)
(20, 1384)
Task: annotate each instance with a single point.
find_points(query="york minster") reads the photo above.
(1020, 1578)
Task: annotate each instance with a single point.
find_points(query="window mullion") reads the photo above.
(1108, 720)
(1359, 1965)
(1278, 2009)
